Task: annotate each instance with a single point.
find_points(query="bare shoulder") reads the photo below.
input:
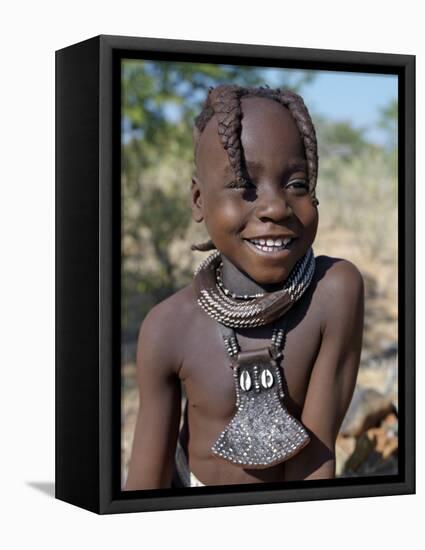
(338, 274)
(340, 285)
(179, 304)
(162, 332)
(172, 312)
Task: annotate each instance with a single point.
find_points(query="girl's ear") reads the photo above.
(196, 203)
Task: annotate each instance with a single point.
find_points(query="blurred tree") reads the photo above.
(388, 121)
(340, 138)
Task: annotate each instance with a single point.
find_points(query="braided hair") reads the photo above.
(224, 101)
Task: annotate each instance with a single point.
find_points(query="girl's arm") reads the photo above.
(157, 426)
(334, 373)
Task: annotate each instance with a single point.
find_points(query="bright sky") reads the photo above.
(355, 97)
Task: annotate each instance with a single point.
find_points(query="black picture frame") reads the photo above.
(88, 274)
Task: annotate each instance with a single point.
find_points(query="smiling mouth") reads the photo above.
(271, 245)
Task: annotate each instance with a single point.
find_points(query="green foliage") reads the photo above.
(359, 194)
(388, 121)
(149, 89)
(340, 138)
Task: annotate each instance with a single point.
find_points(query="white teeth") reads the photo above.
(271, 242)
(271, 245)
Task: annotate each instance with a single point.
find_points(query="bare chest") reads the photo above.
(208, 377)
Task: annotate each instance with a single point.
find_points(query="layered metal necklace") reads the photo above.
(262, 432)
(235, 310)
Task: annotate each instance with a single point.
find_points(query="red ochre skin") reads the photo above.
(180, 344)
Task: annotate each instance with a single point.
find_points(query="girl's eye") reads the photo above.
(298, 184)
(245, 184)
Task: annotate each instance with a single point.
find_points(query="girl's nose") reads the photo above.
(272, 204)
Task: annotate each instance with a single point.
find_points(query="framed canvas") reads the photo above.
(126, 211)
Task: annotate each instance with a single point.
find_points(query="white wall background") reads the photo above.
(30, 32)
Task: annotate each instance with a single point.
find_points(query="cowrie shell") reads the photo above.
(266, 379)
(245, 381)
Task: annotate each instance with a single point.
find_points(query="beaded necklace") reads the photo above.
(248, 311)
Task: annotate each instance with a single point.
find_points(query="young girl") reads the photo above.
(267, 338)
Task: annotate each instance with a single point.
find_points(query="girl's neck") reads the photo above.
(240, 283)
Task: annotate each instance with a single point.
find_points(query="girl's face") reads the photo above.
(248, 223)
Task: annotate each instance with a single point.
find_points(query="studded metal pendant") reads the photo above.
(262, 433)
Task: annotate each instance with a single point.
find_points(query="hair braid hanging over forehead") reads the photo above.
(224, 102)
